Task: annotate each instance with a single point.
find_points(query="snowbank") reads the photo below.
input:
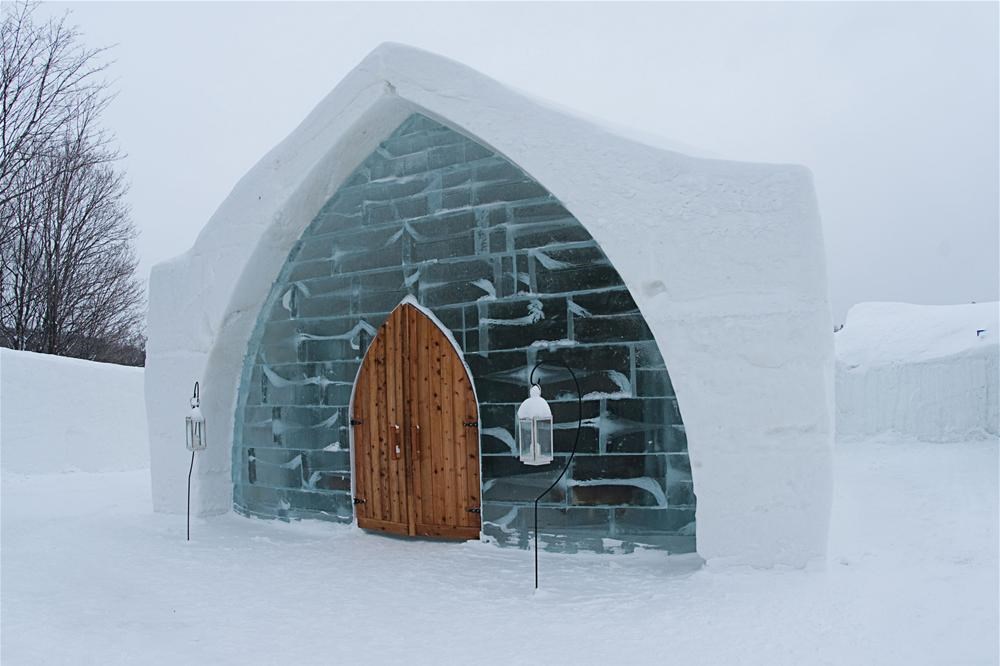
(63, 414)
(919, 370)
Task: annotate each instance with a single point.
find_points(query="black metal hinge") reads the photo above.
(474, 509)
(471, 424)
(358, 500)
(355, 422)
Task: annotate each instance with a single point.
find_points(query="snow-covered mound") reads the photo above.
(926, 371)
(64, 414)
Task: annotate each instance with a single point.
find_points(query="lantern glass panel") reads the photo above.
(535, 441)
(543, 435)
(195, 438)
(524, 427)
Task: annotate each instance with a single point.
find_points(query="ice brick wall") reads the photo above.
(437, 216)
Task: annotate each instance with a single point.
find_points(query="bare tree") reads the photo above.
(67, 264)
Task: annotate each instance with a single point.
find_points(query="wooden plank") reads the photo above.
(425, 409)
(472, 453)
(402, 459)
(383, 526)
(410, 346)
(438, 433)
(460, 439)
(392, 506)
(398, 462)
(448, 434)
(448, 531)
(366, 442)
(393, 354)
(382, 409)
(373, 450)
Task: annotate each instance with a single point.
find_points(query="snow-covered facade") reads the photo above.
(689, 293)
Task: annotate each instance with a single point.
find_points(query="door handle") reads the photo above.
(415, 435)
(395, 443)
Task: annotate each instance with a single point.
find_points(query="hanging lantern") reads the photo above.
(534, 429)
(195, 423)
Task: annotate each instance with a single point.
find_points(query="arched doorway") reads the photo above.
(436, 219)
(414, 423)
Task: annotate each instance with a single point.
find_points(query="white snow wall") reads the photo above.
(62, 414)
(724, 259)
(919, 371)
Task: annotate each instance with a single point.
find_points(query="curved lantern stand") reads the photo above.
(190, 470)
(194, 439)
(576, 441)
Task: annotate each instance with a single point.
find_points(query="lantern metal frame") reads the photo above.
(572, 454)
(532, 415)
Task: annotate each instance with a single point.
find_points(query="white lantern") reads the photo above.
(195, 423)
(534, 429)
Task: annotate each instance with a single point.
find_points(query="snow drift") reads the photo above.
(62, 414)
(924, 371)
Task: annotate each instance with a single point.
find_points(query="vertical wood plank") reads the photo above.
(448, 434)
(425, 407)
(461, 439)
(386, 405)
(472, 453)
(409, 397)
(437, 444)
(393, 357)
(382, 409)
(375, 432)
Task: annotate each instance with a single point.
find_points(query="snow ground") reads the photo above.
(91, 576)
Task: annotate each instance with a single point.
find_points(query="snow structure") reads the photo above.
(623, 258)
(929, 372)
(62, 414)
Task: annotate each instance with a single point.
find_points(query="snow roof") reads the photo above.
(886, 333)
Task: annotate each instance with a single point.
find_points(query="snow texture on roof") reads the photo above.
(885, 333)
(930, 372)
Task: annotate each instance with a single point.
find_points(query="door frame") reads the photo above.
(410, 300)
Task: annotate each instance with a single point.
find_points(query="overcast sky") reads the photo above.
(893, 107)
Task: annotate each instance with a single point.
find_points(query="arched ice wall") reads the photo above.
(433, 216)
(725, 261)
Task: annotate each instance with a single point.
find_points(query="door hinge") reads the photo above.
(471, 424)
(358, 500)
(474, 509)
(355, 422)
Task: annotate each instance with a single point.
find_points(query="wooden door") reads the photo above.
(416, 444)
(380, 474)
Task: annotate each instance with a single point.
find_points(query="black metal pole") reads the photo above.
(190, 469)
(576, 441)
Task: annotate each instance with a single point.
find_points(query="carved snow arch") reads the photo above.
(438, 217)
